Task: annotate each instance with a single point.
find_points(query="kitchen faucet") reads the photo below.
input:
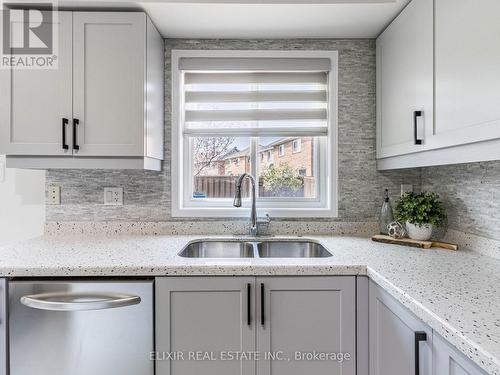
(255, 223)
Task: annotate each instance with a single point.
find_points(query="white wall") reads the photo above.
(22, 204)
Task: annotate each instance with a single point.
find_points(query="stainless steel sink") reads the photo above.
(292, 249)
(254, 249)
(218, 249)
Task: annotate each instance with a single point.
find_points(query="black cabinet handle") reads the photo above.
(419, 336)
(249, 302)
(262, 306)
(64, 144)
(416, 116)
(76, 122)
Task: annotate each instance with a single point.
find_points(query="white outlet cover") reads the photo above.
(113, 196)
(54, 195)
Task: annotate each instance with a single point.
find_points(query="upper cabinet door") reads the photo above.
(34, 102)
(109, 57)
(306, 315)
(393, 337)
(405, 80)
(467, 72)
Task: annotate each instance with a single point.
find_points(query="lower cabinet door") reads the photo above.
(448, 361)
(306, 325)
(201, 322)
(400, 344)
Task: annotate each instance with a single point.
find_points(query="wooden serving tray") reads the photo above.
(414, 243)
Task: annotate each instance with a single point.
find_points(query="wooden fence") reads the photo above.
(225, 187)
(215, 186)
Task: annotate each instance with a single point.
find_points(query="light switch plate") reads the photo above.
(406, 188)
(54, 195)
(113, 196)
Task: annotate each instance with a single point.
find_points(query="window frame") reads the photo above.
(299, 148)
(326, 167)
(281, 150)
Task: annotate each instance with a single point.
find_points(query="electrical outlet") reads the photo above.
(406, 188)
(54, 195)
(113, 196)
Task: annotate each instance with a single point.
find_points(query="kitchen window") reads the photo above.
(249, 106)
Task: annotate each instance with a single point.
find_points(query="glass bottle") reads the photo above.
(386, 214)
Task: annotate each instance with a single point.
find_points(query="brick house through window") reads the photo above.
(282, 151)
(296, 153)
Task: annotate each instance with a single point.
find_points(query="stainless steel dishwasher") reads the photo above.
(80, 328)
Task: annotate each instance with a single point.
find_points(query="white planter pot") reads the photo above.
(420, 233)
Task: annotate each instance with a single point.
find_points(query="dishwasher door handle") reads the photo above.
(78, 301)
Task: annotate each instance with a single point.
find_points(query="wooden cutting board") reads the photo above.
(414, 243)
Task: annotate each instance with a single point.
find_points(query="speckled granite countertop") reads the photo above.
(456, 293)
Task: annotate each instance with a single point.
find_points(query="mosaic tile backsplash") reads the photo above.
(147, 194)
(471, 193)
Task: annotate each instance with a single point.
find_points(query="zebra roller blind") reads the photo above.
(255, 96)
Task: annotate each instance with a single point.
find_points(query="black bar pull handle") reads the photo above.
(418, 127)
(76, 122)
(249, 304)
(262, 305)
(64, 144)
(419, 336)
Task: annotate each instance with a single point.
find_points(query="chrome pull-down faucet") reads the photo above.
(254, 222)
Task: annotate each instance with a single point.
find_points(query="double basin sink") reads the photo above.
(254, 249)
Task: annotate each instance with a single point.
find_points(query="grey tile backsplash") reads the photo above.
(147, 194)
(471, 193)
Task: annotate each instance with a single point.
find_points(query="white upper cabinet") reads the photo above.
(36, 105)
(441, 52)
(102, 108)
(467, 60)
(108, 98)
(405, 80)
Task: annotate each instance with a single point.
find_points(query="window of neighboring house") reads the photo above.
(281, 150)
(296, 144)
(251, 103)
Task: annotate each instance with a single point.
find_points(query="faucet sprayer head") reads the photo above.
(237, 197)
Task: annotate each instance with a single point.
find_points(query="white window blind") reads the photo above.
(255, 96)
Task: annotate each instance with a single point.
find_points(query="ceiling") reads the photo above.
(246, 19)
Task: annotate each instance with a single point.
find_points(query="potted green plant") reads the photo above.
(421, 213)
